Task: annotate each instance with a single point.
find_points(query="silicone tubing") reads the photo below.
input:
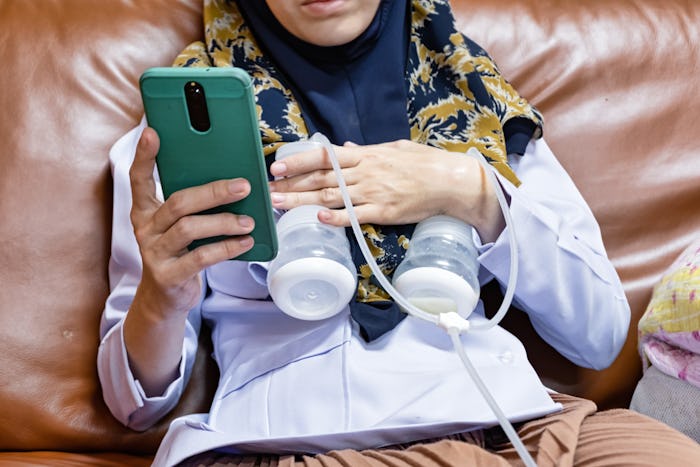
(502, 419)
(512, 240)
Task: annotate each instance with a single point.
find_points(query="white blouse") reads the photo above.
(290, 386)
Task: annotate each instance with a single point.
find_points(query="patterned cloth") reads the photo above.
(669, 330)
(457, 99)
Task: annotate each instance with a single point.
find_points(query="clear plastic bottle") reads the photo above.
(440, 271)
(313, 276)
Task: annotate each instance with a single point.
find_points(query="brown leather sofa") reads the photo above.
(615, 79)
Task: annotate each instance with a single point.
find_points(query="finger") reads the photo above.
(196, 227)
(315, 180)
(336, 217)
(143, 188)
(330, 197)
(199, 198)
(282, 168)
(210, 254)
(340, 217)
(309, 161)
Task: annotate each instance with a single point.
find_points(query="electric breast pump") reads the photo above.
(313, 276)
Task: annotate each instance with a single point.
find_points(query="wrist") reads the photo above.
(160, 302)
(153, 339)
(474, 201)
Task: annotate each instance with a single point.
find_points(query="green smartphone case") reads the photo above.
(229, 148)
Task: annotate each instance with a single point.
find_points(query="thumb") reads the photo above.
(141, 173)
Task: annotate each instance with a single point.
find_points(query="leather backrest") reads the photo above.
(70, 70)
(616, 81)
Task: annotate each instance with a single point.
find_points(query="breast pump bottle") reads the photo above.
(313, 276)
(440, 271)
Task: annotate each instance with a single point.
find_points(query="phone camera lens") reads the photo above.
(194, 87)
(197, 106)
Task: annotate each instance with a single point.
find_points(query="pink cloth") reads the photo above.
(669, 330)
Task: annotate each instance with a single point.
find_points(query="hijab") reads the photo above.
(435, 86)
(338, 87)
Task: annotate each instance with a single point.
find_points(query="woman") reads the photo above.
(366, 377)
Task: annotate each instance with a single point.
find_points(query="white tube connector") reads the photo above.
(452, 322)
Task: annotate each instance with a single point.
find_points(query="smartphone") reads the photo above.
(208, 129)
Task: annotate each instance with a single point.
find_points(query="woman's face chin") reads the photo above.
(324, 22)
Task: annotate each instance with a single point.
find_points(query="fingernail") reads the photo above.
(277, 198)
(246, 242)
(324, 215)
(278, 168)
(245, 221)
(237, 186)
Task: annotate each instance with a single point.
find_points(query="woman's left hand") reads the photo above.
(394, 183)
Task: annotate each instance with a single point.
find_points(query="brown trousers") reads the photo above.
(576, 436)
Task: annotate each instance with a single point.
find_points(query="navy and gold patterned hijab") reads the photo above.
(436, 87)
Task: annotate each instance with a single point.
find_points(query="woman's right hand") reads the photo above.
(163, 230)
(170, 284)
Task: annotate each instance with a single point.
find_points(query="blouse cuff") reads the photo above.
(124, 394)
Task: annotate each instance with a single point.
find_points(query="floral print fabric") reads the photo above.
(669, 330)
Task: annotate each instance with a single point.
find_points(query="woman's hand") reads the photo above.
(163, 230)
(392, 183)
(170, 284)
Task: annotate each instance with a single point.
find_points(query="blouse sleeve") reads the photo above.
(122, 392)
(565, 283)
